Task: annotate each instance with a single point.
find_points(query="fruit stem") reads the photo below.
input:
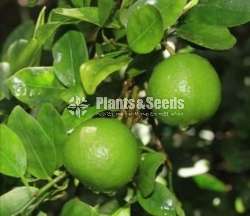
(40, 194)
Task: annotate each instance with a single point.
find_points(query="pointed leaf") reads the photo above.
(221, 12)
(206, 35)
(41, 153)
(51, 121)
(69, 52)
(13, 158)
(144, 29)
(104, 10)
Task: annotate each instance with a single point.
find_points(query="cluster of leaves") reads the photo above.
(88, 41)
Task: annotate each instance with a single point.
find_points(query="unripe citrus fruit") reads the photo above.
(102, 153)
(191, 86)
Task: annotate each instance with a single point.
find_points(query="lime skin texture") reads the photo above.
(191, 78)
(103, 154)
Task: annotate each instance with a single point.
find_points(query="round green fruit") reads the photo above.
(190, 87)
(103, 154)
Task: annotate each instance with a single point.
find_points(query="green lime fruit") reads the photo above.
(103, 154)
(188, 89)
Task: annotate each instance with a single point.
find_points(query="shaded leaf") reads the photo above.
(94, 71)
(23, 31)
(41, 152)
(150, 163)
(210, 182)
(144, 29)
(75, 207)
(35, 85)
(81, 3)
(13, 158)
(13, 201)
(69, 52)
(51, 121)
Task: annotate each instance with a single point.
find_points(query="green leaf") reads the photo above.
(221, 12)
(52, 123)
(30, 55)
(122, 212)
(35, 85)
(14, 51)
(206, 35)
(41, 152)
(105, 8)
(4, 74)
(69, 52)
(150, 163)
(75, 207)
(75, 91)
(13, 201)
(71, 120)
(23, 31)
(161, 203)
(81, 3)
(170, 10)
(210, 182)
(13, 158)
(94, 71)
(40, 21)
(86, 14)
(144, 29)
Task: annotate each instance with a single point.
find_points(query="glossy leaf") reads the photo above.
(51, 122)
(206, 35)
(162, 202)
(4, 74)
(35, 85)
(150, 163)
(75, 207)
(69, 52)
(23, 31)
(104, 10)
(13, 201)
(144, 29)
(227, 13)
(210, 182)
(122, 212)
(13, 158)
(40, 21)
(170, 10)
(41, 152)
(94, 71)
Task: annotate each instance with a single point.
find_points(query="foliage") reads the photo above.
(108, 48)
